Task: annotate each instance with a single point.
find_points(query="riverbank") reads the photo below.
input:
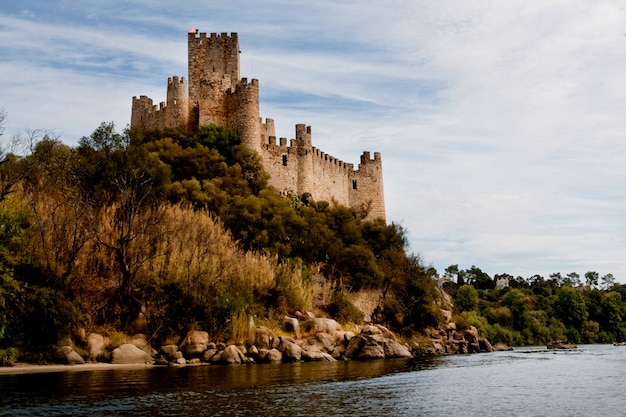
(27, 368)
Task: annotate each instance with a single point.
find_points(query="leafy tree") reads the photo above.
(479, 279)
(466, 298)
(612, 313)
(517, 302)
(556, 279)
(608, 281)
(573, 279)
(591, 278)
(569, 306)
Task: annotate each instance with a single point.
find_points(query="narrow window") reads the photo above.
(354, 184)
(284, 160)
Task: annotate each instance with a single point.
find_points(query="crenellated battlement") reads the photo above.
(214, 93)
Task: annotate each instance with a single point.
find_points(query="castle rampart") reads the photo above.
(215, 94)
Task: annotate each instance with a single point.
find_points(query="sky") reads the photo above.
(501, 124)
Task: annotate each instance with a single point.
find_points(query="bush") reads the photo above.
(8, 356)
(342, 310)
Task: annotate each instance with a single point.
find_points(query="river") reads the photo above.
(524, 382)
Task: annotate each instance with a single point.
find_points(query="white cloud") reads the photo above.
(500, 123)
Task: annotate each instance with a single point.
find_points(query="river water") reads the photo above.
(524, 382)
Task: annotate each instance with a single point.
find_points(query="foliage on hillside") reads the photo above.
(184, 229)
(536, 310)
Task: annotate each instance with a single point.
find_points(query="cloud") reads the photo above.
(500, 123)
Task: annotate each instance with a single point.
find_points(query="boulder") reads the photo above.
(343, 337)
(321, 342)
(471, 335)
(253, 351)
(130, 354)
(263, 338)
(169, 352)
(316, 356)
(394, 349)
(67, 355)
(447, 315)
(281, 342)
(230, 355)
(319, 325)
(141, 341)
(270, 355)
(292, 325)
(498, 347)
(208, 355)
(195, 343)
(366, 346)
(485, 345)
(387, 334)
(95, 346)
(370, 329)
(292, 353)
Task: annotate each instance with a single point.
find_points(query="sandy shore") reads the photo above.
(26, 368)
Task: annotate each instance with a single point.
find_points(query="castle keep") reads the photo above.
(215, 94)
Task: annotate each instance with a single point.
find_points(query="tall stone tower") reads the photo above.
(214, 94)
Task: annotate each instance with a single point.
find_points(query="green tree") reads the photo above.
(608, 281)
(479, 279)
(466, 298)
(569, 307)
(612, 313)
(517, 302)
(572, 279)
(591, 278)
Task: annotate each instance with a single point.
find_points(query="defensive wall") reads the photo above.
(215, 94)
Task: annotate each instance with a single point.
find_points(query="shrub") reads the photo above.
(342, 310)
(8, 356)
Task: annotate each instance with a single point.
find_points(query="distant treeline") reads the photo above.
(533, 311)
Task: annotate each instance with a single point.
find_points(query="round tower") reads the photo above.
(177, 108)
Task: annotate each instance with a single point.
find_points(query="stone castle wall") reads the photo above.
(216, 95)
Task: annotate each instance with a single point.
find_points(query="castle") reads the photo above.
(215, 94)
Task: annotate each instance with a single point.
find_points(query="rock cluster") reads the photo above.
(447, 340)
(309, 339)
(322, 340)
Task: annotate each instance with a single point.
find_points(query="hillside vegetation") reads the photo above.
(184, 229)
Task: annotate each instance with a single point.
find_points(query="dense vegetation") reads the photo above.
(184, 229)
(536, 310)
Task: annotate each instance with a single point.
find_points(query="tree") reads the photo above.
(557, 279)
(125, 186)
(466, 298)
(569, 307)
(591, 277)
(517, 302)
(573, 279)
(612, 313)
(479, 279)
(452, 273)
(607, 281)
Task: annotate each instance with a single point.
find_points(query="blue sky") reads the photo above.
(501, 124)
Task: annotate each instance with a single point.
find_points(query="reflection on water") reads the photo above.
(533, 381)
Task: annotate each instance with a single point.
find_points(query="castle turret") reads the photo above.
(303, 149)
(367, 186)
(243, 113)
(177, 105)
